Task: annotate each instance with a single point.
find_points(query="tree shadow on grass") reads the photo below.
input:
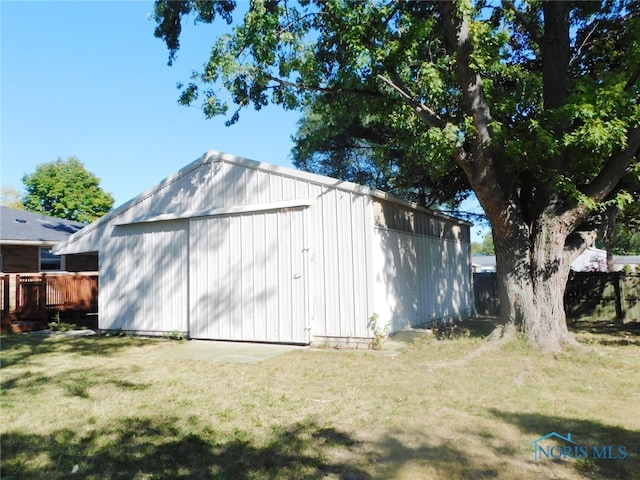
(603, 332)
(607, 333)
(18, 348)
(158, 448)
(584, 432)
(163, 447)
(75, 383)
(396, 459)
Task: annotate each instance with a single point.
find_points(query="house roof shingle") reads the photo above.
(20, 226)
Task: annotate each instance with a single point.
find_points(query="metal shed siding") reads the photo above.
(338, 266)
(150, 281)
(419, 277)
(339, 241)
(337, 222)
(143, 278)
(248, 277)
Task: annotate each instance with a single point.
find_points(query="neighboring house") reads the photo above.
(591, 260)
(595, 260)
(26, 240)
(233, 249)
(484, 263)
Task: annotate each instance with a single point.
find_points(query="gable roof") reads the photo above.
(218, 156)
(21, 227)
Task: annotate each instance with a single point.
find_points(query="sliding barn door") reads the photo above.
(248, 277)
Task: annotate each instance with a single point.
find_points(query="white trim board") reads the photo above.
(217, 212)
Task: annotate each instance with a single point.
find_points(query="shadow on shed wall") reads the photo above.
(426, 273)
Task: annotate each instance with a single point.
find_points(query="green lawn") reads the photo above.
(116, 407)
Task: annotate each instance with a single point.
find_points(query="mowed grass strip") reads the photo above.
(116, 407)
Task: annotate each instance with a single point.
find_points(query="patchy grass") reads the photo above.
(116, 407)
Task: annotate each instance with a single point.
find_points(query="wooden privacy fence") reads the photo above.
(603, 296)
(485, 293)
(596, 295)
(37, 297)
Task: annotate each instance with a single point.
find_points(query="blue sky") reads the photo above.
(89, 79)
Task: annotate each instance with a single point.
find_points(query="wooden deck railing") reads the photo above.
(29, 297)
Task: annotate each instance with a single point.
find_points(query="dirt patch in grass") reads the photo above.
(118, 408)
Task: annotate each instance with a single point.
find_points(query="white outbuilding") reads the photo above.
(233, 249)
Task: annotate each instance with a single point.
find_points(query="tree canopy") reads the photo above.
(10, 197)
(532, 105)
(483, 248)
(65, 189)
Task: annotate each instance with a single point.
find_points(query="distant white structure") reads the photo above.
(595, 260)
(232, 249)
(483, 263)
(591, 260)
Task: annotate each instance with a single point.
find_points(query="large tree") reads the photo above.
(535, 102)
(485, 247)
(65, 189)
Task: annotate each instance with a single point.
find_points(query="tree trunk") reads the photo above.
(533, 270)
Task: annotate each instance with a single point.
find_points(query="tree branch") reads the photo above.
(315, 88)
(284, 28)
(532, 29)
(586, 39)
(577, 242)
(473, 94)
(478, 164)
(395, 10)
(425, 113)
(632, 80)
(601, 186)
(615, 168)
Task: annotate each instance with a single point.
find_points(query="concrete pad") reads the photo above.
(229, 352)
